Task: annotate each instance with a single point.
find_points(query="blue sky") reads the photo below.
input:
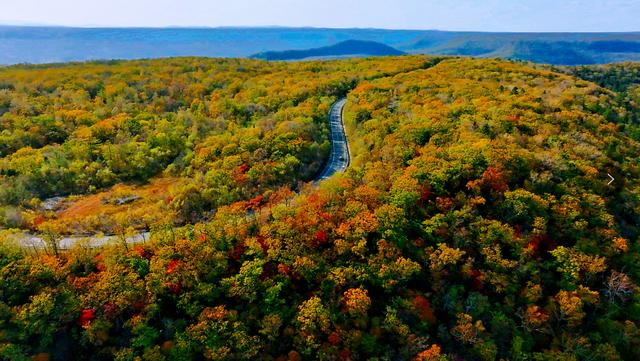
(487, 15)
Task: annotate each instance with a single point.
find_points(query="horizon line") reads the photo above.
(205, 27)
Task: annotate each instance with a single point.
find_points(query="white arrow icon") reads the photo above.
(612, 179)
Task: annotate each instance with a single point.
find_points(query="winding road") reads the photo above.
(338, 162)
(340, 155)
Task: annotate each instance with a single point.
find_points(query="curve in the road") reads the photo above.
(340, 155)
(338, 162)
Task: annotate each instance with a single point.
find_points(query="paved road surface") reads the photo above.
(338, 162)
(340, 157)
(32, 241)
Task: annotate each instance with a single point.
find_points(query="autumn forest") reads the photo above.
(477, 219)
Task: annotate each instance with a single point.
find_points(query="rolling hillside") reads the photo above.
(476, 220)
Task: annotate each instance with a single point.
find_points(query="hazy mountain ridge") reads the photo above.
(349, 47)
(59, 44)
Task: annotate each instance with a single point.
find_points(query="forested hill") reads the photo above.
(622, 78)
(132, 144)
(345, 48)
(619, 77)
(475, 222)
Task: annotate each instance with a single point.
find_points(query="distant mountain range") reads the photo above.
(344, 48)
(21, 44)
(552, 48)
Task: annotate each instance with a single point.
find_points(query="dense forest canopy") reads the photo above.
(475, 222)
(622, 78)
(218, 131)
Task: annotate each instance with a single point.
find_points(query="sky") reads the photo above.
(477, 15)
